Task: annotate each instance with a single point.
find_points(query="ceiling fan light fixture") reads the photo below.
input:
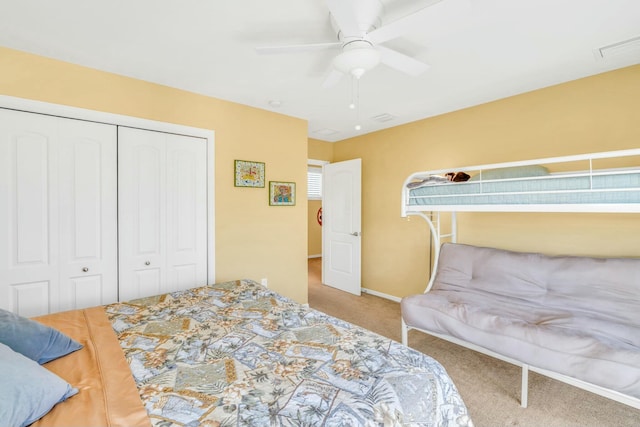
(357, 58)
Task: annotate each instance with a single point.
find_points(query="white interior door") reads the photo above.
(162, 212)
(341, 225)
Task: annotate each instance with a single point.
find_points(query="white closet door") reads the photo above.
(28, 212)
(141, 213)
(162, 212)
(47, 226)
(88, 225)
(186, 212)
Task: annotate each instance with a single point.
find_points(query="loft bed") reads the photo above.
(580, 183)
(595, 182)
(606, 182)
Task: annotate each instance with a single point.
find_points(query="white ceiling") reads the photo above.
(489, 49)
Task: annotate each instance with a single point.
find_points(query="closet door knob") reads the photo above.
(147, 263)
(85, 269)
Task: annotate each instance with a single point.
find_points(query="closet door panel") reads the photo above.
(28, 212)
(30, 199)
(30, 299)
(146, 282)
(82, 292)
(88, 242)
(186, 212)
(142, 218)
(148, 191)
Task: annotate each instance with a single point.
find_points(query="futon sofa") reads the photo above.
(576, 319)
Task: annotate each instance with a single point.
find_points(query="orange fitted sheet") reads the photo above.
(107, 393)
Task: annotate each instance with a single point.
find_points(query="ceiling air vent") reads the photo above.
(325, 132)
(626, 48)
(385, 117)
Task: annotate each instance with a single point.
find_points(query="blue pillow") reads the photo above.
(28, 391)
(34, 340)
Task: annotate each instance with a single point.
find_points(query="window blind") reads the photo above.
(314, 183)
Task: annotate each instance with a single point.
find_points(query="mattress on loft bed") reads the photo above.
(602, 188)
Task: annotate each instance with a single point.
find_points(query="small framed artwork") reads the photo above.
(249, 174)
(282, 193)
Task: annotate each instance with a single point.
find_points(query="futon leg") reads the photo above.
(524, 394)
(405, 330)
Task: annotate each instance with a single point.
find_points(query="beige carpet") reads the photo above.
(489, 387)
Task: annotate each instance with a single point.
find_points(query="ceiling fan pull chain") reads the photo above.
(352, 103)
(357, 101)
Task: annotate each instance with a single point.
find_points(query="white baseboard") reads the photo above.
(315, 256)
(381, 295)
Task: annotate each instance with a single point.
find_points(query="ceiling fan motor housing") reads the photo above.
(357, 57)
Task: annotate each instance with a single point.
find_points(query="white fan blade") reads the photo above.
(332, 78)
(354, 17)
(434, 15)
(401, 62)
(298, 48)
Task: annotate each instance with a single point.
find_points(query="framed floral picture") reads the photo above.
(249, 174)
(282, 193)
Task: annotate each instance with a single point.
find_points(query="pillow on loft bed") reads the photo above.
(511, 172)
(28, 391)
(449, 177)
(428, 180)
(34, 340)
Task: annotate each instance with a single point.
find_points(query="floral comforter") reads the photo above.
(238, 354)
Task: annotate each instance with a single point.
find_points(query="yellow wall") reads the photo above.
(253, 240)
(318, 150)
(598, 113)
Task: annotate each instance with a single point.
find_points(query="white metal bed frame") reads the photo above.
(431, 214)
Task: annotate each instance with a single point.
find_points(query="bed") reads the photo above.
(238, 354)
(606, 182)
(581, 183)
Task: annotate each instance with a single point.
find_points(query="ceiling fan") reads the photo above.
(360, 35)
